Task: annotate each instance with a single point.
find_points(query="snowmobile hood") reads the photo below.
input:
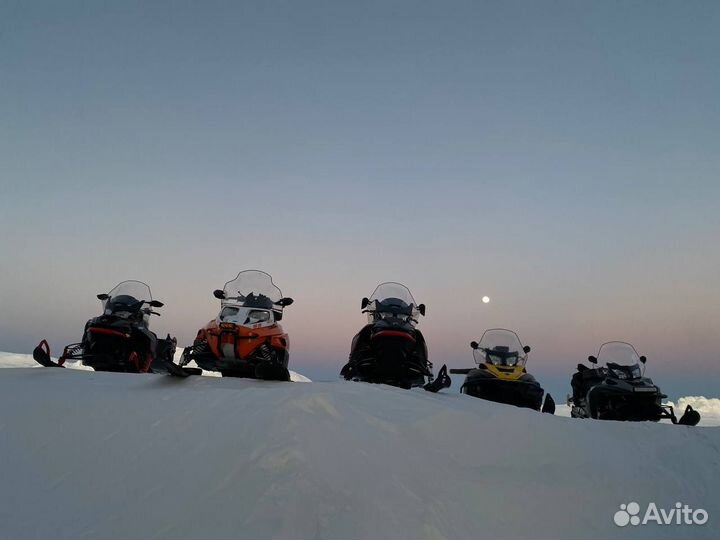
(248, 317)
(505, 373)
(521, 392)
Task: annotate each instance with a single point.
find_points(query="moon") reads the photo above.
(486, 299)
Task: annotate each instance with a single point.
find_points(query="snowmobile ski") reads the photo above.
(689, 418)
(41, 354)
(181, 371)
(548, 405)
(272, 371)
(442, 380)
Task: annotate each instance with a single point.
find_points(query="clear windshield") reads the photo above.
(393, 299)
(127, 291)
(621, 354)
(500, 347)
(252, 288)
(618, 352)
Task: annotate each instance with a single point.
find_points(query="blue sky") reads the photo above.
(560, 157)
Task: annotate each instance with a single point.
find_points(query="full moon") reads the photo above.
(486, 299)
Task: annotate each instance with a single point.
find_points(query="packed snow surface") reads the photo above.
(129, 456)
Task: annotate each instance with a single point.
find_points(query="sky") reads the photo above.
(560, 157)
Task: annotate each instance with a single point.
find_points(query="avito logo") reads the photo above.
(680, 514)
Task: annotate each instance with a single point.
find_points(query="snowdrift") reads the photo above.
(125, 456)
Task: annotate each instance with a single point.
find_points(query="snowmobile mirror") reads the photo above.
(220, 295)
(592, 359)
(102, 296)
(643, 359)
(285, 302)
(365, 303)
(526, 348)
(421, 309)
(474, 345)
(156, 303)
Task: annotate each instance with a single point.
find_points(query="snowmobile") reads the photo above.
(389, 349)
(245, 339)
(120, 339)
(619, 390)
(501, 375)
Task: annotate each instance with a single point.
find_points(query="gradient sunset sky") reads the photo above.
(562, 158)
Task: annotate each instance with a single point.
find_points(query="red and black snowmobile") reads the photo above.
(390, 349)
(120, 339)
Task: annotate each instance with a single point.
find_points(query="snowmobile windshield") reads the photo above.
(621, 358)
(128, 293)
(618, 352)
(252, 288)
(395, 300)
(126, 300)
(500, 347)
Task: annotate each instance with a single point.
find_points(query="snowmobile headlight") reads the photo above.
(258, 316)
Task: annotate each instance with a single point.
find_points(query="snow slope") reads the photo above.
(127, 456)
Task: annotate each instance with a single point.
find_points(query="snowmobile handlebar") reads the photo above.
(461, 371)
(220, 295)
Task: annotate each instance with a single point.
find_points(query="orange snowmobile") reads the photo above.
(245, 339)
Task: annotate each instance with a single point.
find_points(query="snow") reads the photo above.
(13, 360)
(128, 456)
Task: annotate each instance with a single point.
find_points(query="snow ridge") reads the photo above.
(127, 456)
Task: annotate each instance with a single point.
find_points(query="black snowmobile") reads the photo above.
(390, 349)
(120, 339)
(501, 375)
(619, 390)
